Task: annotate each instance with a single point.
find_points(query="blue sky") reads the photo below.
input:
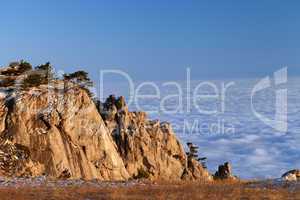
(154, 40)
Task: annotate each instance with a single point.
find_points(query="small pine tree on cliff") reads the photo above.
(47, 71)
(17, 68)
(33, 80)
(41, 74)
(24, 66)
(82, 79)
(79, 77)
(193, 154)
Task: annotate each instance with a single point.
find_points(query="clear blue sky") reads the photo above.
(154, 39)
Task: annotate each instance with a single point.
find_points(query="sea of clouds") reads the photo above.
(233, 134)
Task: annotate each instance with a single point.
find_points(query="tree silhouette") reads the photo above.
(47, 70)
(82, 79)
(79, 77)
(17, 68)
(193, 154)
(24, 66)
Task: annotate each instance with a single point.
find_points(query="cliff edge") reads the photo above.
(57, 130)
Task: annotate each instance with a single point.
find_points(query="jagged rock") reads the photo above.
(195, 171)
(292, 175)
(62, 130)
(148, 145)
(60, 133)
(56, 130)
(224, 172)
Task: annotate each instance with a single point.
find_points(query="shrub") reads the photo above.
(46, 69)
(24, 66)
(80, 78)
(33, 80)
(17, 68)
(13, 64)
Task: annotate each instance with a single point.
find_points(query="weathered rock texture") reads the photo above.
(62, 133)
(147, 147)
(224, 172)
(58, 131)
(293, 175)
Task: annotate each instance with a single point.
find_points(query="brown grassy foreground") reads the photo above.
(214, 191)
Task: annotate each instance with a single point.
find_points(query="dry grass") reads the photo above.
(162, 190)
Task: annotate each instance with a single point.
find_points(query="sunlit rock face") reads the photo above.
(62, 132)
(293, 175)
(57, 130)
(148, 148)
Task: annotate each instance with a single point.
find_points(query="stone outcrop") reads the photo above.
(224, 172)
(147, 147)
(292, 175)
(57, 130)
(62, 132)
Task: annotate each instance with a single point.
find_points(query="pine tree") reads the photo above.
(79, 77)
(193, 154)
(45, 70)
(82, 79)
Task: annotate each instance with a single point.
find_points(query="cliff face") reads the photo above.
(145, 146)
(61, 133)
(148, 148)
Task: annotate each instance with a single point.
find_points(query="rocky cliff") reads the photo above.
(62, 134)
(147, 147)
(57, 130)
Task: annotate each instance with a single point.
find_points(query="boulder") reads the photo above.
(292, 175)
(224, 172)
